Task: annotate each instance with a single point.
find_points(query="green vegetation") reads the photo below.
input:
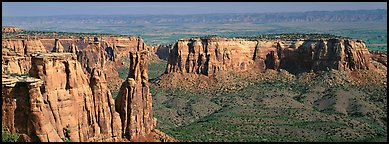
(7, 136)
(16, 74)
(65, 139)
(115, 94)
(156, 69)
(286, 36)
(368, 25)
(66, 133)
(56, 34)
(275, 110)
(246, 110)
(123, 73)
(374, 39)
(373, 33)
(227, 119)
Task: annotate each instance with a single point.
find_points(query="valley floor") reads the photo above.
(270, 106)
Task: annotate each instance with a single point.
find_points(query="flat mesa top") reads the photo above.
(280, 36)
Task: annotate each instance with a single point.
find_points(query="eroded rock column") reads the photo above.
(134, 101)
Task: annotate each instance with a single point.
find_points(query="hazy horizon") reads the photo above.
(32, 9)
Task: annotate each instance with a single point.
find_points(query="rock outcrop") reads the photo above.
(15, 64)
(162, 51)
(16, 103)
(65, 105)
(380, 57)
(10, 29)
(58, 47)
(60, 103)
(108, 53)
(134, 101)
(73, 48)
(338, 54)
(33, 46)
(24, 47)
(16, 46)
(72, 104)
(107, 117)
(209, 55)
(95, 56)
(64, 43)
(16, 54)
(120, 47)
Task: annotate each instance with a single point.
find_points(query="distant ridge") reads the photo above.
(378, 15)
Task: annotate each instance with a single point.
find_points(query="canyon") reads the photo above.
(61, 103)
(62, 85)
(273, 89)
(91, 52)
(63, 94)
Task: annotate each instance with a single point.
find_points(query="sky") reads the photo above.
(156, 8)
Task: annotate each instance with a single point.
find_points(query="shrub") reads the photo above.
(16, 74)
(7, 136)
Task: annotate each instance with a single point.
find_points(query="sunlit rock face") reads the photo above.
(209, 55)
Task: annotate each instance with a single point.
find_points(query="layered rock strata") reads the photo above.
(23, 47)
(15, 64)
(108, 53)
(134, 101)
(60, 103)
(108, 118)
(114, 46)
(66, 105)
(16, 103)
(95, 56)
(209, 55)
(71, 101)
(120, 47)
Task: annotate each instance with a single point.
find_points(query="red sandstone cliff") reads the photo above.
(122, 46)
(210, 55)
(16, 105)
(24, 47)
(57, 46)
(339, 54)
(15, 64)
(64, 104)
(134, 99)
(96, 56)
(134, 103)
(60, 103)
(107, 117)
(72, 104)
(108, 53)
